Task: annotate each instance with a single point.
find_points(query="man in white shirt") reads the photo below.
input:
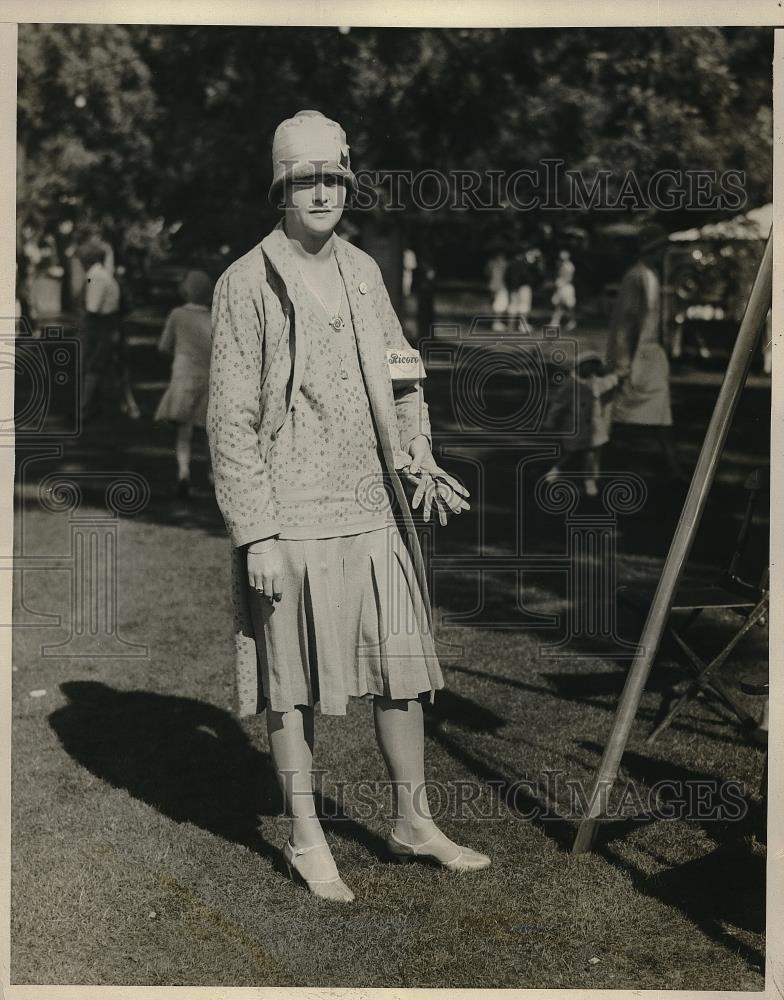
(101, 292)
(100, 327)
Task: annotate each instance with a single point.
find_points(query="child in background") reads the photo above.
(580, 410)
(499, 293)
(188, 336)
(564, 299)
(517, 278)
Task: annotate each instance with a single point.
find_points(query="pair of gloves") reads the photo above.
(432, 485)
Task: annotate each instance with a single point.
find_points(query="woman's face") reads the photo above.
(315, 207)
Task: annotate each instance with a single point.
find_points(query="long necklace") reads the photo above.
(334, 319)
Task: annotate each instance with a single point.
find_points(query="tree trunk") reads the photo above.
(384, 242)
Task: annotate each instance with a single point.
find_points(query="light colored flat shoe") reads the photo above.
(332, 887)
(466, 859)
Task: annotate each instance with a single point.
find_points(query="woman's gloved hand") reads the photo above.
(433, 484)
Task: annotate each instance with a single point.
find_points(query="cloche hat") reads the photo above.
(309, 145)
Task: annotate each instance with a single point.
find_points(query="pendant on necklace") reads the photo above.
(336, 323)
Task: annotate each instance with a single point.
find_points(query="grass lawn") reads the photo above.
(146, 818)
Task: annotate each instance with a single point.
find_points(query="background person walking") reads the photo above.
(188, 336)
(495, 269)
(517, 278)
(564, 299)
(101, 333)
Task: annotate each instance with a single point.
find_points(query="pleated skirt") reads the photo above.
(351, 623)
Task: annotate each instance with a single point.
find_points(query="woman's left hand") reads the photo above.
(433, 484)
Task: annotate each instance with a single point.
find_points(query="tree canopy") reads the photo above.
(152, 128)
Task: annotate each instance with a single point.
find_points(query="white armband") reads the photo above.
(405, 366)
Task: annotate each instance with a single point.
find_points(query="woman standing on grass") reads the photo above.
(305, 429)
(188, 336)
(636, 355)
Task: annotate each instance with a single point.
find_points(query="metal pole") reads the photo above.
(702, 480)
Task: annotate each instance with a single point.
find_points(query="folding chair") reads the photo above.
(757, 683)
(749, 601)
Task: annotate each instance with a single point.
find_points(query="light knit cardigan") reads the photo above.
(261, 315)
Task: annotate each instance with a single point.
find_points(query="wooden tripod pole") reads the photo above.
(702, 480)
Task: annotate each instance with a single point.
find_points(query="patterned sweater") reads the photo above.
(327, 470)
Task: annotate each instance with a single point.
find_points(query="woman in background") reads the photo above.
(636, 355)
(188, 336)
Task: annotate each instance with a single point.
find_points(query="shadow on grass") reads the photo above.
(719, 890)
(116, 448)
(517, 797)
(186, 758)
(601, 689)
